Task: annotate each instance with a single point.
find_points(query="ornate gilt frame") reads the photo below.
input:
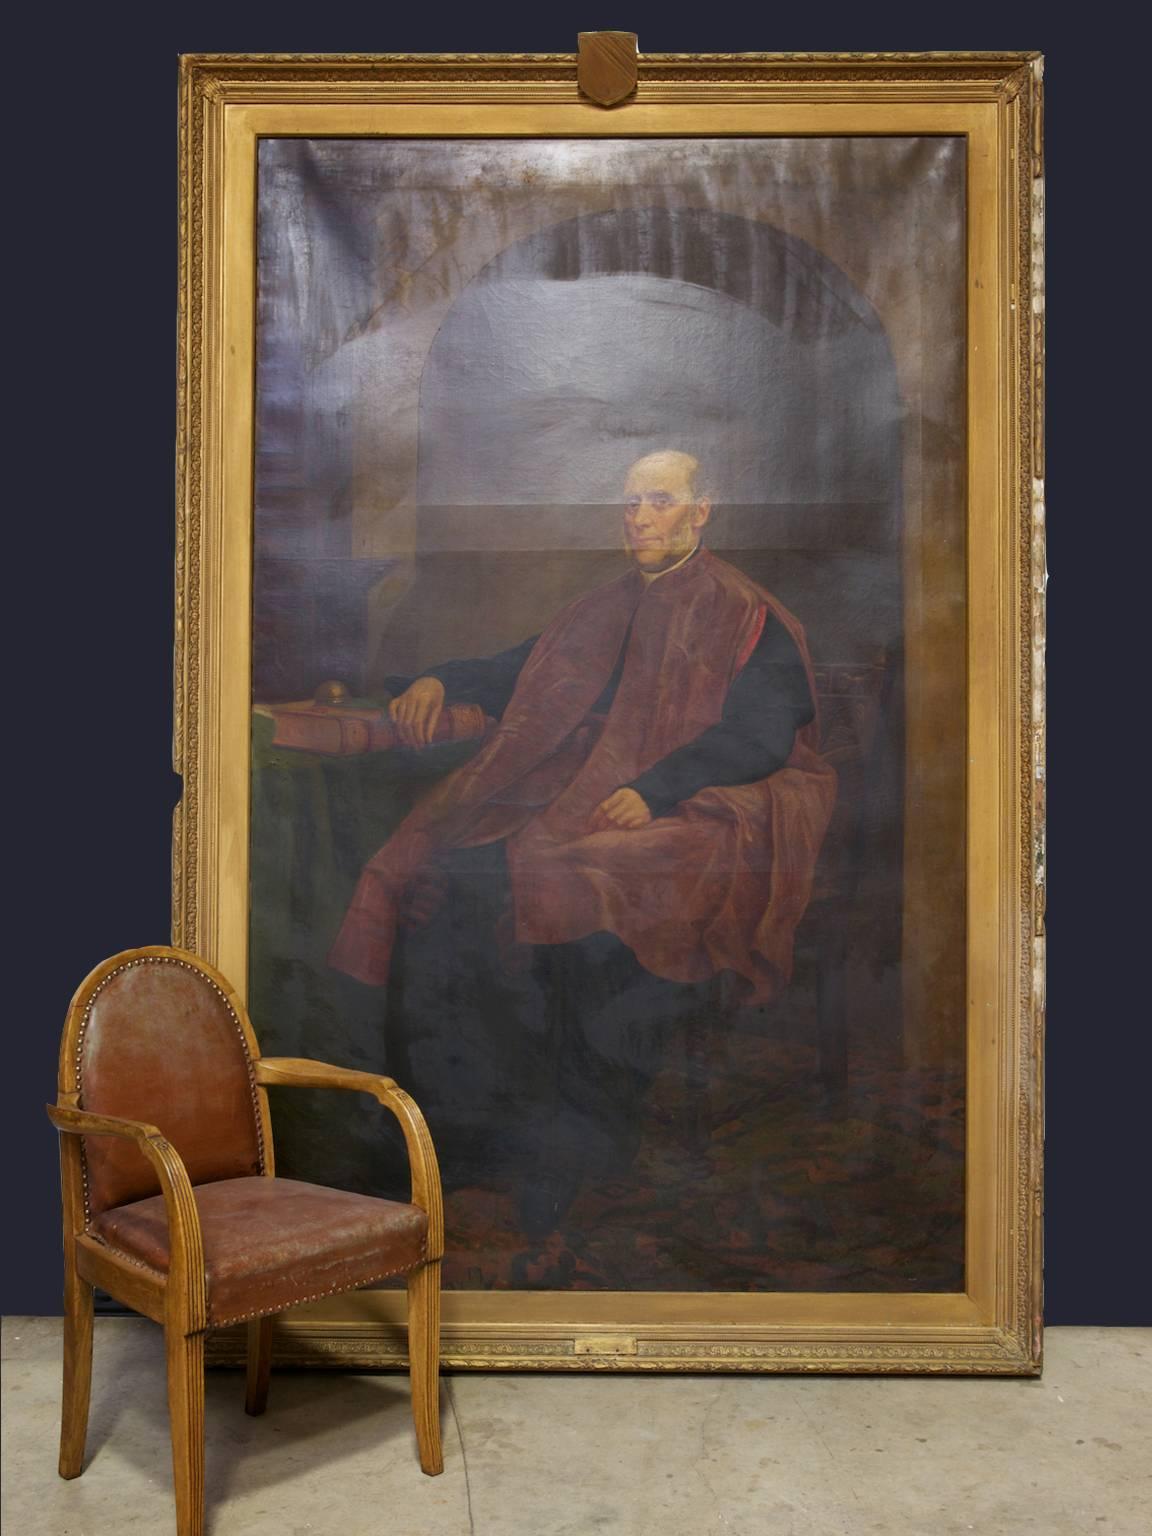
(226, 103)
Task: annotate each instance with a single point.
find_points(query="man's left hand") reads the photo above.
(623, 811)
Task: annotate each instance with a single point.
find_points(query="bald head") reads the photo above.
(663, 509)
(671, 465)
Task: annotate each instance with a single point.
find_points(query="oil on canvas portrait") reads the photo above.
(608, 686)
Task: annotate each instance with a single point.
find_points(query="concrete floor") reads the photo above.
(527, 1455)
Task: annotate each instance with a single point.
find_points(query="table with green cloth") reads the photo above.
(316, 820)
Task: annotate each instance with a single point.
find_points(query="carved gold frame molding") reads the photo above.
(227, 102)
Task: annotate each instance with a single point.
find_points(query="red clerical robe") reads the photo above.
(720, 884)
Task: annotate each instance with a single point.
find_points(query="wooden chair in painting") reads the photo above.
(852, 699)
(171, 1203)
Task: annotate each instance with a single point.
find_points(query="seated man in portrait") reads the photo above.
(649, 805)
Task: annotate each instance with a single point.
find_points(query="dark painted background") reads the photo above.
(91, 226)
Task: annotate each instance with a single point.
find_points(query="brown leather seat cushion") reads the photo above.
(269, 1243)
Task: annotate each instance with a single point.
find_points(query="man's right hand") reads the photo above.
(416, 712)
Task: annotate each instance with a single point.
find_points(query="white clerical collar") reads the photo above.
(651, 576)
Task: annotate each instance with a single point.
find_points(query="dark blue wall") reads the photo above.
(91, 223)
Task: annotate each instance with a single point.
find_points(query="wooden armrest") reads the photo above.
(185, 1244)
(297, 1072)
(79, 1122)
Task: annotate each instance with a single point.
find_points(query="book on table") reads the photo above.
(344, 730)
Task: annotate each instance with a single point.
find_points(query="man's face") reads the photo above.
(662, 514)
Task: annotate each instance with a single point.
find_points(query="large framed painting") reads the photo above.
(608, 679)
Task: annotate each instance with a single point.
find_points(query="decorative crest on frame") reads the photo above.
(606, 69)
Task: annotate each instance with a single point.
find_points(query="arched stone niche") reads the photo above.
(603, 338)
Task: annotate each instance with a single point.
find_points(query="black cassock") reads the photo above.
(532, 1063)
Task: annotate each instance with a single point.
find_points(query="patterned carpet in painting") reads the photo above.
(772, 1181)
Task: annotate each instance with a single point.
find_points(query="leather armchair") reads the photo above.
(171, 1203)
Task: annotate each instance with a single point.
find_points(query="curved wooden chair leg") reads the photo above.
(77, 1372)
(259, 1365)
(186, 1415)
(424, 1356)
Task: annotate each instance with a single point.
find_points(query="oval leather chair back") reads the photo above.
(161, 1042)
